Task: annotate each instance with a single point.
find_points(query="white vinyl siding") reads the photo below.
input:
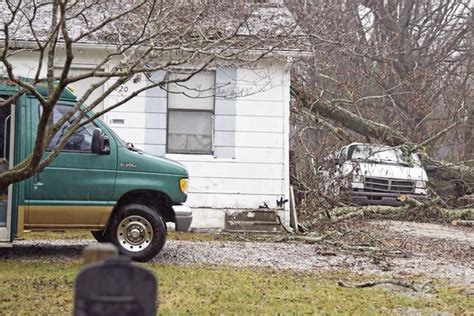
(79, 88)
(249, 166)
(142, 120)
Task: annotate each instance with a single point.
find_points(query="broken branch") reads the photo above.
(374, 283)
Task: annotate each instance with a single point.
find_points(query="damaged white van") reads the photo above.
(377, 174)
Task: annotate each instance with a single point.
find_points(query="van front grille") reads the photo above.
(389, 185)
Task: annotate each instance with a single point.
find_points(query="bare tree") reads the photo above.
(136, 38)
(397, 72)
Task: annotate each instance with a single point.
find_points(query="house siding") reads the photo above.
(249, 165)
(250, 161)
(225, 113)
(258, 172)
(144, 117)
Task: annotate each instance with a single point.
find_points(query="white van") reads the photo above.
(377, 174)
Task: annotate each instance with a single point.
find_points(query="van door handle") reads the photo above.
(36, 180)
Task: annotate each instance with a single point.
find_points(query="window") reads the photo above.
(191, 113)
(80, 140)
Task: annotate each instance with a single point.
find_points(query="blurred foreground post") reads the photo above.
(114, 286)
(99, 252)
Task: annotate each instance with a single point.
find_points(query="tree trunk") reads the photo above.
(468, 135)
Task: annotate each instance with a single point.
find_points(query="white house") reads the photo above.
(228, 125)
(234, 140)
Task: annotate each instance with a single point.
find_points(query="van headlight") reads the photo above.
(420, 184)
(183, 185)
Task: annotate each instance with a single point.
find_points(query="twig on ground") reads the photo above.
(426, 284)
(243, 238)
(374, 283)
(361, 248)
(308, 239)
(463, 223)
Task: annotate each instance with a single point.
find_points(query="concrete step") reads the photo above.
(255, 221)
(253, 215)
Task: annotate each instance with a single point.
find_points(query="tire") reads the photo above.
(138, 231)
(99, 235)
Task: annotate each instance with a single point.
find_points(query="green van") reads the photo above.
(98, 182)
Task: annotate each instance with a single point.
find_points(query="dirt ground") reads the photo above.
(454, 244)
(390, 248)
(433, 231)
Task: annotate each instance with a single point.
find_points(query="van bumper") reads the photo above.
(379, 198)
(183, 217)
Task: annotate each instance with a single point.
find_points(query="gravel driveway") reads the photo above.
(297, 256)
(304, 257)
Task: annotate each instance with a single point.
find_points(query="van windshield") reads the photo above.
(383, 154)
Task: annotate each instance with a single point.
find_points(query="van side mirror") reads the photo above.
(100, 143)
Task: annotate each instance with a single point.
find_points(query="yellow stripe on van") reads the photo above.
(67, 216)
(21, 221)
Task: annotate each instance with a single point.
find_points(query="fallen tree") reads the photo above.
(455, 216)
(389, 72)
(460, 174)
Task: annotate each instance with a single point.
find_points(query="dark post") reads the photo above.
(115, 287)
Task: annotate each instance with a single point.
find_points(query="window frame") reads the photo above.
(212, 112)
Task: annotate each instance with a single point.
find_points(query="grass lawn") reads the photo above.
(47, 288)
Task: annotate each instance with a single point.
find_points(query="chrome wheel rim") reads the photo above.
(134, 233)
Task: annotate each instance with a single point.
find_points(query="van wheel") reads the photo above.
(138, 231)
(99, 235)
